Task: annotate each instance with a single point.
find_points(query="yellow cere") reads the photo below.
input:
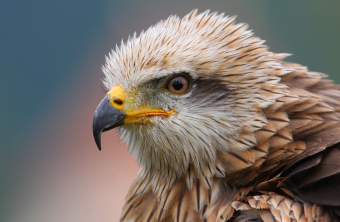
(117, 97)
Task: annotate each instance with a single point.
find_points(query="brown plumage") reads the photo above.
(253, 138)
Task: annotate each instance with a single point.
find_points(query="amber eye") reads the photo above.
(178, 84)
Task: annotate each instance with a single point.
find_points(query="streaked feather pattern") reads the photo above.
(268, 149)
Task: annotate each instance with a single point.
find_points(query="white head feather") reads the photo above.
(229, 69)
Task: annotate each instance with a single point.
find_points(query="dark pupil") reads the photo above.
(177, 84)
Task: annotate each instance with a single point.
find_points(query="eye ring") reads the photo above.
(178, 84)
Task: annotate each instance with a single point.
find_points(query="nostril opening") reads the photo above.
(118, 102)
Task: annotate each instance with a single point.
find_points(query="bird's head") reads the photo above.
(187, 90)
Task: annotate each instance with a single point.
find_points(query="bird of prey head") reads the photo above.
(203, 107)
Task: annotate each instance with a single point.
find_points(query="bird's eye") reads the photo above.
(178, 84)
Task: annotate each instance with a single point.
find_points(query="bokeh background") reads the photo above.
(51, 53)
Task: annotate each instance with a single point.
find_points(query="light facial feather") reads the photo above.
(248, 116)
(209, 48)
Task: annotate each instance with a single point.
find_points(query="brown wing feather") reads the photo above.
(311, 179)
(274, 207)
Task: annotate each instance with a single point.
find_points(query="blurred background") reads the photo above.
(51, 53)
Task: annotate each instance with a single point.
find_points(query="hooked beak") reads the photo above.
(106, 117)
(111, 113)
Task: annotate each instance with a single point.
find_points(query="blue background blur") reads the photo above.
(51, 53)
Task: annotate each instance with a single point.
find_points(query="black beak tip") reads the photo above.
(97, 132)
(98, 140)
